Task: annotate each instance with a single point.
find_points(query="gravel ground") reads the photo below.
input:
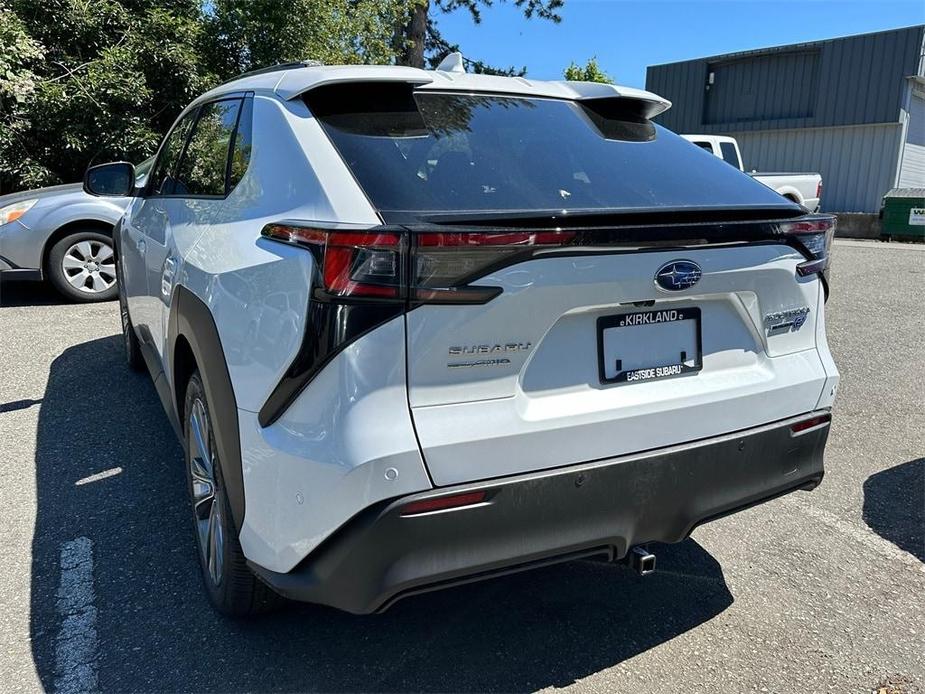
(815, 592)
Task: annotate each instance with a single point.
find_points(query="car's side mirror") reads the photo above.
(117, 178)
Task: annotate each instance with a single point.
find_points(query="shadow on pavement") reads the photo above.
(20, 293)
(894, 506)
(548, 627)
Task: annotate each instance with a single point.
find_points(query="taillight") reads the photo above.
(422, 267)
(365, 264)
(819, 190)
(439, 266)
(814, 235)
(445, 262)
(367, 277)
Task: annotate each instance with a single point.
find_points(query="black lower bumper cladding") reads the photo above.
(603, 507)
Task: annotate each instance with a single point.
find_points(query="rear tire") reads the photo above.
(232, 587)
(81, 266)
(130, 340)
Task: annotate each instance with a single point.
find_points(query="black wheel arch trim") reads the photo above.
(192, 320)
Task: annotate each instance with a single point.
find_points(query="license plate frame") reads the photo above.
(660, 371)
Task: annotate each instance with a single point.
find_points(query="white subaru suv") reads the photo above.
(418, 328)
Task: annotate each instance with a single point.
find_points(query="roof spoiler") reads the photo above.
(645, 104)
(293, 85)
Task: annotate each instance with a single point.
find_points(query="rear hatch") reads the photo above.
(585, 357)
(580, 283)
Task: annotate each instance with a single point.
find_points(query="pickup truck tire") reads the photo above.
(81, 266)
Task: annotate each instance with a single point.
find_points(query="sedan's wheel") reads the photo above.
(89, 266)
(232, 587)
(82, 266)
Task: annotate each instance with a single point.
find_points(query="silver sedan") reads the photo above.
(63, 235)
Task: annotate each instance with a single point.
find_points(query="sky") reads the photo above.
(628, 35)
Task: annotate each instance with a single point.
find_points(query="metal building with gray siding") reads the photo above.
(852, 109)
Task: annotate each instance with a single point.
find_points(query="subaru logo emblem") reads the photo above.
(678, 275)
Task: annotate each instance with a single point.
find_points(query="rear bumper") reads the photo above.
(604, 507)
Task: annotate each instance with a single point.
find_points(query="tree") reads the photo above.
(242, 35)
(111, 78)
(84, 81)
(591, 72)
(418, 41)
(17, 87)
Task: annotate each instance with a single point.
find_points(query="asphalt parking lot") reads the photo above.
(815, 592)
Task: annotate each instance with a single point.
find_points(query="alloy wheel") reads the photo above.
(206, 492)
(89, 266)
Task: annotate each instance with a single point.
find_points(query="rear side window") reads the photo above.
(241, 149)
(730, 155)
(204, 167)
(161, 181)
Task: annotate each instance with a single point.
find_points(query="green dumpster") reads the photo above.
(903, 213)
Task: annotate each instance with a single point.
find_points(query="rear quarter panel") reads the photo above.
(347, 441)
(258, 290)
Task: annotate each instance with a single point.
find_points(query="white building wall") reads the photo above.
(858, 163)
(912, 173)
(912, 168)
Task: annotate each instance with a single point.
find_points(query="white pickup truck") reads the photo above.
(803, 188)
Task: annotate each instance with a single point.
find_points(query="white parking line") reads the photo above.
(76, 643)
(111, 472)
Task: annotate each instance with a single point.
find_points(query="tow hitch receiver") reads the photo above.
(641, 561)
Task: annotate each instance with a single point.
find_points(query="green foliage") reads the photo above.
(83, 81)
(17, 84)
(109, 79)
(19, 49)
(591, 72)
(86, 81)
(242, 35)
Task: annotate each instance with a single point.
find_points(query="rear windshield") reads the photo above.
(428, 152)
